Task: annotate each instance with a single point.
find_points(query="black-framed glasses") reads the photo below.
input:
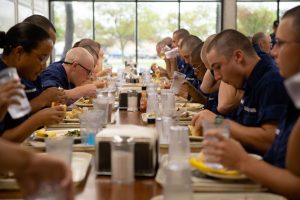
(279, 42)
(71, 63)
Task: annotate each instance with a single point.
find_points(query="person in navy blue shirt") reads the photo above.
(234, 61)
(286, 149)
(38, 97)
(72, 74)
(32, 46)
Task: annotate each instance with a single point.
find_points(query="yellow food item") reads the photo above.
(74, 113)
(201, 166)
(43, 133)
(194, 132)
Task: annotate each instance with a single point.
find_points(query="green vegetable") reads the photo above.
(74, 133)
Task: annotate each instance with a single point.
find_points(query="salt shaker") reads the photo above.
(132, 101)
(122, 159)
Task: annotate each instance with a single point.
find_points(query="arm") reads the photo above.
(80, 91)
(44, 117)
(260, 138)
(209, 84)
(228, 98)
(196, 95)
(293, 150)
(231, 154)
(32, 169)
(48, 96)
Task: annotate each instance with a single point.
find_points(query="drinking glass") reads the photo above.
(178, 80)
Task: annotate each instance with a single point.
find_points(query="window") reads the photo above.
(286, 5)
(253, 17)
(24, 9)
(129, 30)
(7, 16)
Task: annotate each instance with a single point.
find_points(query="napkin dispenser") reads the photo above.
(145, 149)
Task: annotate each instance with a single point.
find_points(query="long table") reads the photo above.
(101, 187)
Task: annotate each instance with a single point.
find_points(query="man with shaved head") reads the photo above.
(234, 61)
(71, 74)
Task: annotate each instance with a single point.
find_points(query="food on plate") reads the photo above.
(74, 113)
(53, 104)
(86, 100)
(193, 131)
(43, 133)
(73, 133)
(184, 114)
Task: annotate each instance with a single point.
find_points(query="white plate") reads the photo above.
(59, 133)
(231, 196)
(80, 165)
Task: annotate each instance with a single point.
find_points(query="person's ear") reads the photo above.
(238, 56)
(18, 52)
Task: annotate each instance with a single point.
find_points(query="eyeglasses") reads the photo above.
(280, 43)
(87, 70)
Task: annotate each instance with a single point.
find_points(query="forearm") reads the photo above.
(24, 130)
(228, 98)
(38, 103)
(209, 84)
(196, 95)
(16, 159)
(80, 91)
(259, 138)
(278, 180)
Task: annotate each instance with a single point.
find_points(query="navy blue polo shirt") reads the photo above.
(265, 98)
(188, 70)
(8, 122)
(277, 152)
(264, 56)
(33, 88)
(55, 76)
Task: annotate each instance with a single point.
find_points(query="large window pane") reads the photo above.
(284, 6)
(7, 16)
(24, 9)
(253, 17)
(115, 30)
(201, 18)
(156, 20)
(41, 7)
(73, 21)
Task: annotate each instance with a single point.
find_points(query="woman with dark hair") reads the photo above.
(27, 48)
(38, 97)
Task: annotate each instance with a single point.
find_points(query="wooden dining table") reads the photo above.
(101, 187)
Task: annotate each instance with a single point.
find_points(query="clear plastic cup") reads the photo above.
(91, 122)
(167, 122)
(122, 159)
(168, 102)
(152, 103)
(178, 185)
(179, 147)
(61, 148)
(173, 53)
(221, 127)
(16, 111)
(178, 80)
(106, 104)
(48, 191)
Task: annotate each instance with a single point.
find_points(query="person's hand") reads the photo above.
(184, 90)
(45, 169)
(203, 115)
(54, 94)
(7, 91)
(100, 83)
(226, 151)
(50, 116)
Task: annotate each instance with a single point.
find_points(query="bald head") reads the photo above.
(81, 56)
(187, 45)
(179, 35)
(226, 42)
(263, 40)
(92, 46)
(204, 49)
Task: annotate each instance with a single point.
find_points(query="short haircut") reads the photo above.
(195, 55)
(40, 21)
(167, 41)
(181, 33)
(22, 34)
(229, 40)
(92, 46)
(204, 48)
(294, 13)
(190, 42)
(258, 37)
